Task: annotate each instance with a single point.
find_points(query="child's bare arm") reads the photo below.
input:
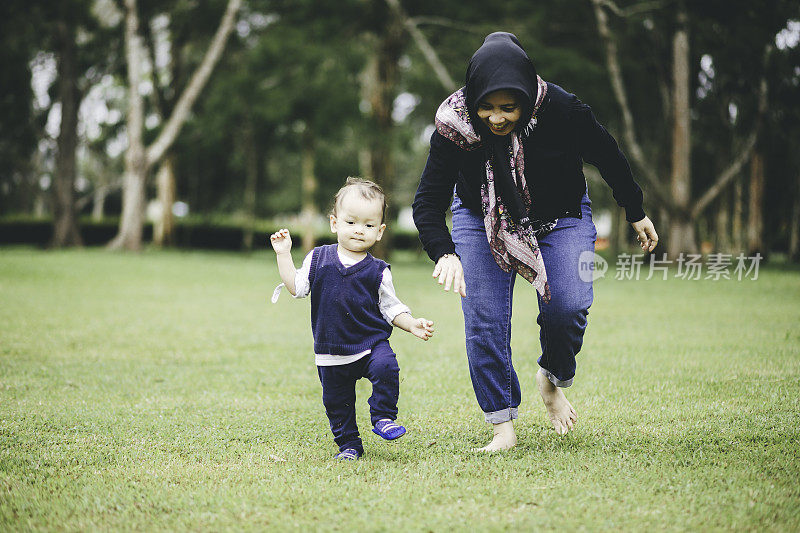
(282, 244)
(421, 327)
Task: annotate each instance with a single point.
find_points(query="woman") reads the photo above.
(513, 147)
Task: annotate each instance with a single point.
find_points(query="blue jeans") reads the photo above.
(487, 308)
(339, 393)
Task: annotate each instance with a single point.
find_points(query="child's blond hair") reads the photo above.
(369, 190)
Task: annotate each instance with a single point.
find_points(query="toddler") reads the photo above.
(353, 309)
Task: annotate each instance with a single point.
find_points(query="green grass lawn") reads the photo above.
(164, 391)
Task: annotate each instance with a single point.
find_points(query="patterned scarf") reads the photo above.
(513, 243)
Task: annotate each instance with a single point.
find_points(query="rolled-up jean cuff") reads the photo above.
(554, 380)
(503, 415)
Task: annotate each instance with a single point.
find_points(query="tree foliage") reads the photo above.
(294, 83)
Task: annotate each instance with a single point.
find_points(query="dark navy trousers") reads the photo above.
(487, 308)
(339, 393)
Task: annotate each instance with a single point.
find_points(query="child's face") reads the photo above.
(357, 222)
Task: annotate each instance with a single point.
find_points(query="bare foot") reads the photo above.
(504, 438)
(559, 410)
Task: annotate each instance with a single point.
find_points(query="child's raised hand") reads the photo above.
(422, 328)
(281, 241)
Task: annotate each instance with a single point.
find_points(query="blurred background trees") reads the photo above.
(702, 97)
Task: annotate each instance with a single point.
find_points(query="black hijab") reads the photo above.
(501, 63)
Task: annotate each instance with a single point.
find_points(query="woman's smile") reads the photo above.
(500, 111)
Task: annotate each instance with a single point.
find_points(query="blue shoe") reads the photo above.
(350, 454)
(388, 430)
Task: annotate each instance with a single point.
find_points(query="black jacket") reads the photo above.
(567, 134)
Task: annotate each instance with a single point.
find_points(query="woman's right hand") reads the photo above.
(450, 272)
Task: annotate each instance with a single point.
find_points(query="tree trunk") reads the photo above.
(794, 225)
(383, 93)
(743, 154)
(632, 146)
(681, 230)
(738, 215)
(755, 212)
(99, 203)
(138, 159)
(131, 222)
(164, 226)
(133, 198)
(619, 232)
(195, 86)
(40, 204)
(65, 229)
(250, 185)
(309, 189)
(681, 237)
(722, 231)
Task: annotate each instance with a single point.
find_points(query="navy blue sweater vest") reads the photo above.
(345, 318)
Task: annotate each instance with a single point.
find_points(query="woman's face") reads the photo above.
(500, 111)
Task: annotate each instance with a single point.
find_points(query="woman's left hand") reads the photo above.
(646, 234)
